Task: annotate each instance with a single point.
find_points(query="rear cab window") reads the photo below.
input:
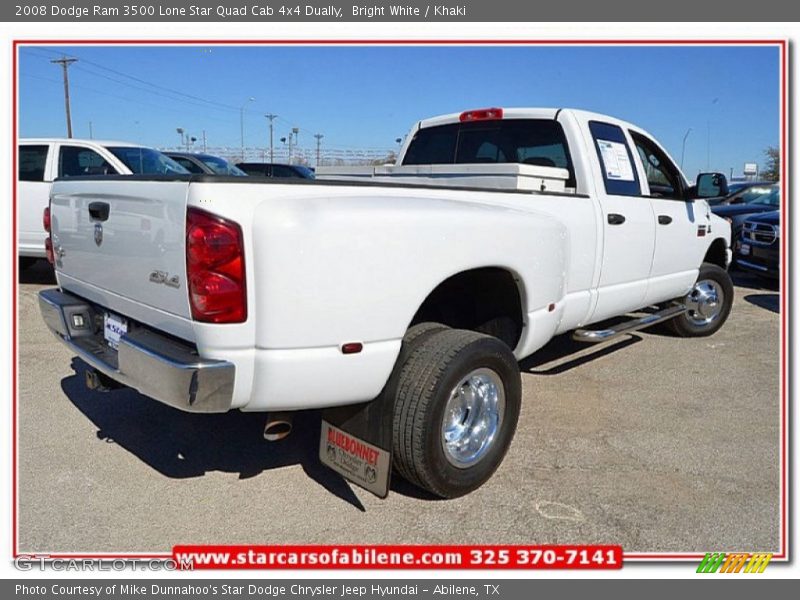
(538, 142)
(616, 159)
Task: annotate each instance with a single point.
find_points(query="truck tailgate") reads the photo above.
(122, 241)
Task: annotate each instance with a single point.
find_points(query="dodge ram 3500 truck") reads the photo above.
(400, 309)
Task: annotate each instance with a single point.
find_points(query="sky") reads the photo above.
(365, 97)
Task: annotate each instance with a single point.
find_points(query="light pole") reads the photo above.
(241, 121)
(296, 132)
(271, 118)
(683, 147)
(319, 137)
(180, 131)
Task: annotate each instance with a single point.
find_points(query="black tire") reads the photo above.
(688, 326)
(433, 369)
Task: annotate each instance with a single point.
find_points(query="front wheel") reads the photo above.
(455, 411)
(708, 303)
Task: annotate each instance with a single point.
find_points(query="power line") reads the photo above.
(184, 96)
(157, 89)
(126, 99)
(149, 83)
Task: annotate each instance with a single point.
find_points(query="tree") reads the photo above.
(772, 165)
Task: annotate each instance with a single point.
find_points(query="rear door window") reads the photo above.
(616, 160)
(74, 161)
(32, 161)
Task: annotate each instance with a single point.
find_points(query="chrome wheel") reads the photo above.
(472, 417)
(705, 302)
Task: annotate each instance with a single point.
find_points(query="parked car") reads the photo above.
(758, 248)
(737, 190)
(42, 160)
(276, 170)
(401, 310)
(754, 201)
(206, 164)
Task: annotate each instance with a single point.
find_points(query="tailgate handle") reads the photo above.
(98, 211)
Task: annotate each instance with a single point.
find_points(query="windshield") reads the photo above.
(754, 192)
(221, 166)
(146, 161)
(771, 198)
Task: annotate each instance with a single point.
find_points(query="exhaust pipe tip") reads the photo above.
(279, 426)
(97, 382)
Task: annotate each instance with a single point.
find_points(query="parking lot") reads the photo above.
(656, 443)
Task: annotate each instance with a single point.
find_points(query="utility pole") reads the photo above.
(271, 118)
(91, 133)
(290, 147)
(205, 147)
(319, 137)
(65, 63)
(241, 121)
(296, 132)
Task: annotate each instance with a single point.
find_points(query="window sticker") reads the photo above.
(616, 163)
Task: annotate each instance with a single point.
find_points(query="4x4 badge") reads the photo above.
(163, 277)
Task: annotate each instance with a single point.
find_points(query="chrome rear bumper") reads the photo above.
(155, 365)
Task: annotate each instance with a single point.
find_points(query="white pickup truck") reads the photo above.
(408, 304)
(42, 160)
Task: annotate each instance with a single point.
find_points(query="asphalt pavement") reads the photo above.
(656, 443)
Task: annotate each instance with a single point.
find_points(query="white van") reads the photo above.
(42, 160)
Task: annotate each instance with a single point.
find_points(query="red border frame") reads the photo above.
(784, 289)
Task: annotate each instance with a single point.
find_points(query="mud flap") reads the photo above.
(356, 442)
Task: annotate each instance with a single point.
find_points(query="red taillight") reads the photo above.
(48, 248)
(482, 114)
(48, 243)
(215, 268)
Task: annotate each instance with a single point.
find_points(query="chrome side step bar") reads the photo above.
(604, 335)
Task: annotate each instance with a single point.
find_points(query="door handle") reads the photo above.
(616, 219)
(98, 211)
(664, 219)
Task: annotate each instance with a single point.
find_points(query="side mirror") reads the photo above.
(711, 185)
